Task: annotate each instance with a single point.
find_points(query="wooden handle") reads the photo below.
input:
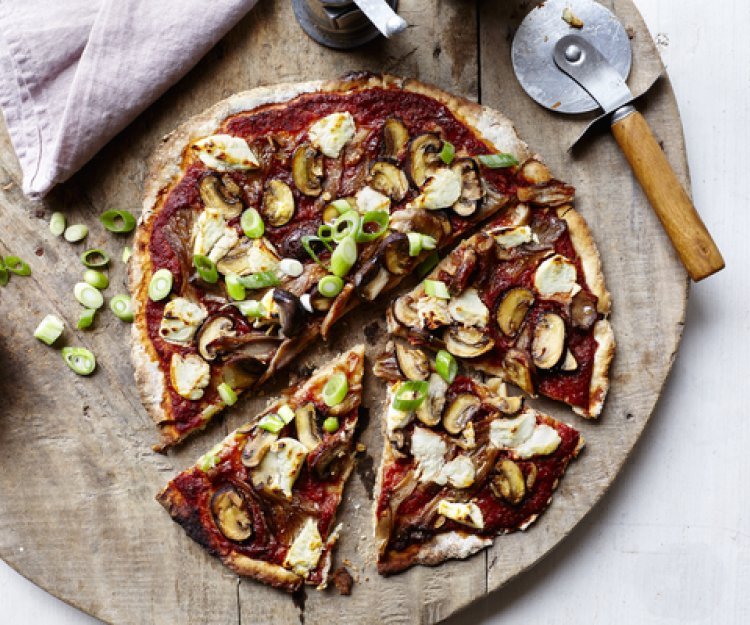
(682, 222)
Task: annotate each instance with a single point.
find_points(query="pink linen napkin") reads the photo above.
(74, 73)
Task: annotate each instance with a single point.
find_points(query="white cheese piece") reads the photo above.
(465, 513)
(225, 153)
(441, 191)
(513, 237)
(468, 309)
(556, 275)
(331, 133)
(432, 312)
(543, 441)
(459, 472)
(181, 320)
(368, 199)
(510, 433)
(306, 549)
(228, 240)
(209, 228)
(429, 451)
(189, 375)
(269, 307)
(258, 256)
(280, 466)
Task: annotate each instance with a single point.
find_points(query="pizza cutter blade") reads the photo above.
(574, 56)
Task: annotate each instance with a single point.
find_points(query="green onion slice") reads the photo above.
(206, 268)
(4, 275)
(410, 395)
(381, 219)
(330, 286)
(17, 266)
(209, 460)
(335, 390)
(325, 232)
(126, 254)
(497, 161)
(235, 288)
(122, 306)
(95, 258)
(49, 329)
(86, 320)
(446, 366)
(307, 243)
(331, 424)
(79, 359)
(96, 279)
(161, 284)
(428, 264)
(88, 296)
(271, 423)
(252, 224)
(436, 288)
(448, 153)
(118, 221)
(415, 243)
(341, 206)
(346, 225)
(286, 413)
(57, 224)
(428, 242)
(344, 257)
(260, 280)
(227, 394)
(251, 308)
(75, 233)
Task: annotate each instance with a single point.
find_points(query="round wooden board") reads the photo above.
(77, 509)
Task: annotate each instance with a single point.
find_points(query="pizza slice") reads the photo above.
(523, 299)
(462, 463)
(275, 212)
(264, 500)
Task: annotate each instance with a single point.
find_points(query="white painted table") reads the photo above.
(671, 542)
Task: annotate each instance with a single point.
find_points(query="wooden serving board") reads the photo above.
(77, 509)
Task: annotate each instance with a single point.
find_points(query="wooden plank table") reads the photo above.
(78, 515)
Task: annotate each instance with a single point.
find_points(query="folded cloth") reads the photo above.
(74, 73)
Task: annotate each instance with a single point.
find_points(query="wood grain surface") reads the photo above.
(77, 514)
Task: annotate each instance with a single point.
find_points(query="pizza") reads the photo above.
(463, 462)
(264, 500)
(271, 215)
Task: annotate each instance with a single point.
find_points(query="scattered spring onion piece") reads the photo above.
(252, 308)
(86, 320)
(448, 153)
(428, 264)
(252, 224)
(235, 288)
(410, 395)
(380, 218)
(95, 258)
(227, 394)
(118, 221)
(260, 280)
(76, 233)
(4, 275)
(88, 296)
(436, 288)
(346, 225)
(96, 279)
(446, 366)
(286, 413)
(17, 266)
(341, 206)
(57, 224)
(330, 286)
(307, 243)
(344, 257)
(49, 329)
(335, 390)
(428, 242)
(291, 267)
(271, 423)
(206, 268)
(122, 306)
(209, 460)
(496, 161)
(325, 232)
(331, 424)
(79, 359)
(415, 243)
(161, 284)
(126, 254)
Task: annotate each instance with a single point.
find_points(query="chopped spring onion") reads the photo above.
(86, 320)
(436, 288)
(428, 264)
(122, 306)
(49, 329)
(410, 395)
(88, 296)
(76, 233)
(95, 258)
(448, 153)
(96, 279)
(4, 275)
(118, 221)
(428, 242)
(252, 224)
(210, 459)
(344, 257)
(227, 394)
(79, 359)
(126, 254)
(252, 308)
(330, 286)
(380, 218)
(160, 285)
(291, 267)
(325, 232)
(331, 424)
(496, 161)
(335, 390)
(346, 225)
(235, 288)
(446, 366)
(206, 268)
(260, 280)
(286, 413)
(415, 243)
(17, 266)
(307, 243)
(341, 205)
(271, 423)
(57, 224)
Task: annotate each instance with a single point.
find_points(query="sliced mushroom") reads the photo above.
(386, 366)
(319, 302)
(389, 180)
(211, 330)
(325, 462)
(291, 312)
(395, 138)
(307, 430)
(257, 447)
(531, 477)
(424, 157)
(472, 191)
(512, 310)
(459, 412)
(508, 482)
(431, 410)
(371, 279)
(583, 310)
(553, 193)
(432, 223)
(252, 346)
(231, 514)
(278, 203)
(413, 362)
(570, 363)
(517, 370)
(548, 345)
(248, 256)
(506, 405)
(404, 312)
(467, 342)
(307, 170)
(394, 250)
(221, 195)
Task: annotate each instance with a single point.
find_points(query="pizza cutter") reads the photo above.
(574, 56)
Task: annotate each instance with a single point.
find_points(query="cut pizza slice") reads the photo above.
(462, 462)
(523, 299)
(275, 212)
(264, 500)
